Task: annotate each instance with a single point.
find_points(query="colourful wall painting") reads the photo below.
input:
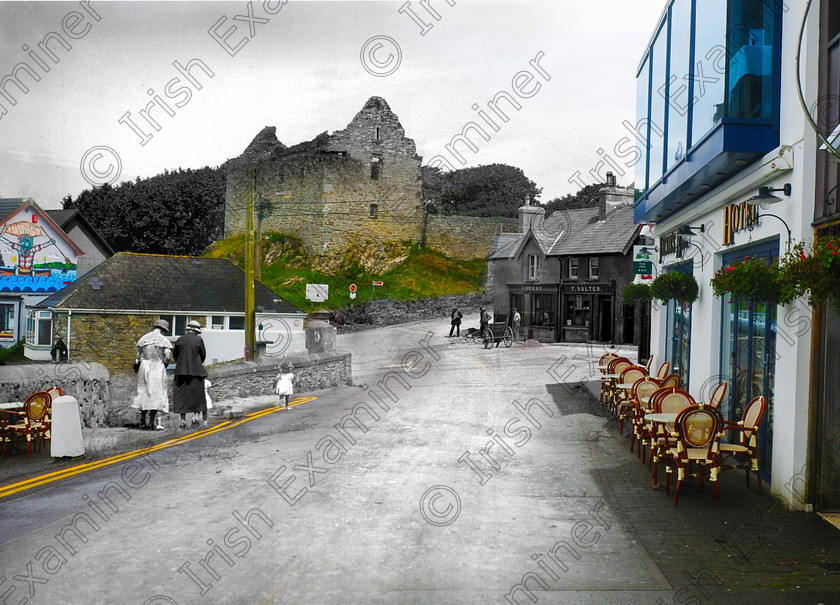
(33, 256)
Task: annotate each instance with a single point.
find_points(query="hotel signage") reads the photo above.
(737, 217)
(671, 244)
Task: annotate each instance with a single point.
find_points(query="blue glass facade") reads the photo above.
(707, 99)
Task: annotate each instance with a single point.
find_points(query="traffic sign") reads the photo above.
(377, 283)
(352, 287)
(317, 292)
(352, 295)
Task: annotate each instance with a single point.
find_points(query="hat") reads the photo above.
(163, 325)
(194, 325)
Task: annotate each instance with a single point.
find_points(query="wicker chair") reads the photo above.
(662, 435)
(746, 451)
(642, 389)
(718, 395)
(699, 429)
(663, 370)
(671, 380)
(624, 400)
(33, 422)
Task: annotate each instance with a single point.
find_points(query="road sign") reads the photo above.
(352, 295)
(352, 287)
(317, 292)
(377, 283)
(642, 267)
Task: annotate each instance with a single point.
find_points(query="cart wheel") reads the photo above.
(508, 337)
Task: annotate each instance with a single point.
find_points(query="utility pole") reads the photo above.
(258, 258)
(250, 316)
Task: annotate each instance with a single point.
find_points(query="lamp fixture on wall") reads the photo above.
(688, 231)
(765, 196)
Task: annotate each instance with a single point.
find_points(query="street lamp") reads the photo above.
(764, 199)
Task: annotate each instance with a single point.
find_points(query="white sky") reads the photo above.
(302, 73)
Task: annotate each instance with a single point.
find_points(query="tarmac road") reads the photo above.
(317, 506)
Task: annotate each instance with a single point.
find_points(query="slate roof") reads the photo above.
(150, 282)
(571, 232)
(63, 217)
(9, 204)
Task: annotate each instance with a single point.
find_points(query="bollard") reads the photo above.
(66, 430)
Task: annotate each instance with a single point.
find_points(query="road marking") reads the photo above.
(20, 486)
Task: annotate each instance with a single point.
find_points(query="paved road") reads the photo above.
(317, 506)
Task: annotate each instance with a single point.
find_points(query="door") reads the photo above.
(605, 319)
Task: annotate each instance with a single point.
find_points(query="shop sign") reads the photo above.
(534, 288)
(586, 289)
(737, 217)
(672, 244)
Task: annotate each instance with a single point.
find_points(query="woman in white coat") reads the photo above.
(154, 352)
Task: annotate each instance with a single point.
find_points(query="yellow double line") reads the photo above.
(15, 488)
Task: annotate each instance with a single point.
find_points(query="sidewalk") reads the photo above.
(109, 441)
(731, 554)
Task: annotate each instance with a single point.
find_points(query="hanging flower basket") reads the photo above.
(635, 292)
(814, 271)
(675, 285)
(753, 281)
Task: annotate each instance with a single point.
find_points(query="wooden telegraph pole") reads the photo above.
(250, 316)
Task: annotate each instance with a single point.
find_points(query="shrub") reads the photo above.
(675, 285)
(753, 281)
(635, 292)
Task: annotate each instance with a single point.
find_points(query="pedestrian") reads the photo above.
(484, 318)
(456, 316)
(153, 353)
(189, 376)
(517, 320)
(283, 383)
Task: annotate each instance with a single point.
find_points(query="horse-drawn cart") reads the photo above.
(497, 332)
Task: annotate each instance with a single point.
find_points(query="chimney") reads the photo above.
(610, 179)
(602, 201)
(529, 215)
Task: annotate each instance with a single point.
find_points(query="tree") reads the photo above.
(491, 190)
(585, 198)
(179, 212)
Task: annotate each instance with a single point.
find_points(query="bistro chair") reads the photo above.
(33, 422)
(699, 429)
(672, 401)
(717, 395)
(671, 380)
(663, 370)
(605, 360)
(642, 389)
(745, 452)
(616, 367)
(624, 405)
(649, 363)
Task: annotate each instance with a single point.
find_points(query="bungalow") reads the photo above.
(102, 314)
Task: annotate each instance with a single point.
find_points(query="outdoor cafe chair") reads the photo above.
(649, 363)
(662, 435)
(699, 429)
(33, 422)
(624, 401)
(616, 367)
(671, 380)
(604, 362)
(642, 389)
(663, 370)
(745, 452)
(717, 395)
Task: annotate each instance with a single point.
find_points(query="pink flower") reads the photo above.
(730, 269)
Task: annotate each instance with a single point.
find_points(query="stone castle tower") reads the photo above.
(357, 186)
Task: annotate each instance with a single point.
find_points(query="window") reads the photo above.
(7, 320)
(378, 133)
(374, 210)
(374, 169)
(593, 267)
(236, 322)
(573, 268)
(280, 173)
(177, 324)
(542, 311)
(39, 327)
(533, 266)
(217, 322)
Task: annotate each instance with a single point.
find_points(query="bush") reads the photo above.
(675, 285)
(752, 280)
(635, 292)
(12, 354)
(814, 271)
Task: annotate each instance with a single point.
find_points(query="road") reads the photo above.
(396, 504)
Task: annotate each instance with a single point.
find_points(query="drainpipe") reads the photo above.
(69, 319)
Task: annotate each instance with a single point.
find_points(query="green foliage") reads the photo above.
(813, 271)
(753, 281)
(635, 292)
(492, 190)
(287, 269)
(178, 212)
(585, 198)
(674, 285)
(12, 354)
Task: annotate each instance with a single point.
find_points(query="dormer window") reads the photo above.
(374, 169)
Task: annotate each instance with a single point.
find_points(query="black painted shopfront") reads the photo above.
(587, 312)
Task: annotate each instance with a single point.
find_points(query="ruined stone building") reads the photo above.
(357, 186)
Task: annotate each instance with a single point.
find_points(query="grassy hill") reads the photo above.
(421, 273)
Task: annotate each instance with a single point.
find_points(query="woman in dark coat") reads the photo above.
(189, 354)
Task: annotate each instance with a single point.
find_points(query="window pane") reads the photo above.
(236, 323)
(642, 85)
(657, 107)
(218, 322)
(709, 66)
(678, 100)
(44, 331)
(7, 320)
(180, 325)
(751, 64)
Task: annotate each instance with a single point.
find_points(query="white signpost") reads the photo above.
(317, 292)
(643, 256)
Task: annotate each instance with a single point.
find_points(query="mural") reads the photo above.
(32, 258)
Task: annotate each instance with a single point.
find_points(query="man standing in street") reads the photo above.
(189, 356)
(456, 322)
(517, 320)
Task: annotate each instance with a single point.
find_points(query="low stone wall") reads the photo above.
(382, 312)
(312, 372)
(466, 237)
(88, 382)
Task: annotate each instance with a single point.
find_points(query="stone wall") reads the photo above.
(466, 237)
(106, 339)
(312, 372)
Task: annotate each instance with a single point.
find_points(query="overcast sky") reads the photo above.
(302, 71)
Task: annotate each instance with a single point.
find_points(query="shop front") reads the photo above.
(537, 304)
(588, 312)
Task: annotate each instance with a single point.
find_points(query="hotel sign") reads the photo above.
(737, 217)
(671, 244)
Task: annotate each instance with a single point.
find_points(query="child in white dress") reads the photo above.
(283, 383)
